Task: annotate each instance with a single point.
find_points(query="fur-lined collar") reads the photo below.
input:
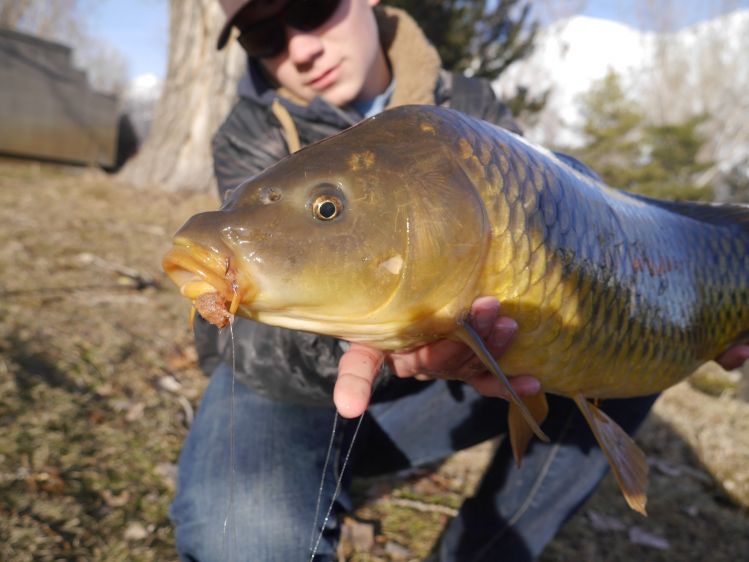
(414, 62)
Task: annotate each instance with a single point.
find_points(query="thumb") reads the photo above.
(357, 371)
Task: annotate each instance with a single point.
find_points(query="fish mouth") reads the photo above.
(208, 278)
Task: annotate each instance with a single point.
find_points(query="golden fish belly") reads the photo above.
(613, 296)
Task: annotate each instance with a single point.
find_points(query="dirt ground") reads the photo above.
(98, 385)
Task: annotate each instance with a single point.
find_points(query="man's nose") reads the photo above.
(303, 46)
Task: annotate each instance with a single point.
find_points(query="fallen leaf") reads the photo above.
(360, 535)
(118, 500)
(135, 412)
(182, 358)
(396, 551)
(168, 472)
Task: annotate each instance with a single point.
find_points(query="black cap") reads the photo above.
(231, 8)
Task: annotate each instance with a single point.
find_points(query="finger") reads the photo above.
(445, 357)
(502, 333)
(430, 359)
(484, 312)
(357, 371)
(734, 357)
(489, 385)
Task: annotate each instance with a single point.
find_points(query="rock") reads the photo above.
(135, 532)
(170, 384)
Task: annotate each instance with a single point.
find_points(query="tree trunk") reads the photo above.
(198, 92)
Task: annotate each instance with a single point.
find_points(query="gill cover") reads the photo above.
(373, 235)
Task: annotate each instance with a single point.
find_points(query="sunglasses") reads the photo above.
(267, 37)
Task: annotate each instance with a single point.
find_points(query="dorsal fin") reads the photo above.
(578, 166)
(719, 214)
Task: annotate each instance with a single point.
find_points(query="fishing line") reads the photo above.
(339, 483)
(232, 452)
(322, 479)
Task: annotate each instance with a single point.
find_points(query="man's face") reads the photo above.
(340, 61)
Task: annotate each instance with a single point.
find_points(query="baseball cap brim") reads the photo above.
(232, 8)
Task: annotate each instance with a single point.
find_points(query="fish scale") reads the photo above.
(615, 295)
(628, 274)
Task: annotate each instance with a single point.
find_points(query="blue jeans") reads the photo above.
(262, 506)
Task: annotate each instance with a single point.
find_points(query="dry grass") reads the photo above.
(98, 383)
(96, 375)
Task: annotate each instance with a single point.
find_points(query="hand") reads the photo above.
(360, 365)
(734, 357)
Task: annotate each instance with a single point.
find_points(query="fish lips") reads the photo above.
(198, 271)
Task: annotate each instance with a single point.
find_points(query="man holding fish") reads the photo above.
(249, 472)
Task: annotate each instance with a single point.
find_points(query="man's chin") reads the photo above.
(340, 94)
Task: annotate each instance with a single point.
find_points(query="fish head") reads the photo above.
(364, 236)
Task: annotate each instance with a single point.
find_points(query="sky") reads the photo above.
(681, 13)
(140, 28)
(137, 28)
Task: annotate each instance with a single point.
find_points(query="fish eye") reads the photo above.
(327, 207)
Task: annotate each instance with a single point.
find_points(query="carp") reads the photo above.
(385, 233)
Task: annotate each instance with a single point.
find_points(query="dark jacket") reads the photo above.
(297, 366)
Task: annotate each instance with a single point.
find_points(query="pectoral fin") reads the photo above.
(520, 431)
(469, 336)
(627, 460)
